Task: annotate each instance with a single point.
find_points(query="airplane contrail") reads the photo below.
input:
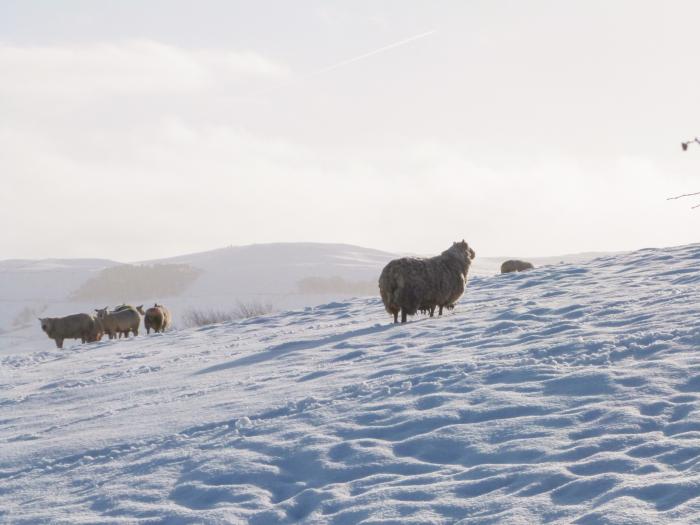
(375, 52)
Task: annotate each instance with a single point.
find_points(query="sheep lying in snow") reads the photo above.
(515, 265)
(410, 284)
(119, 322)
(77, 326)
(156, 317)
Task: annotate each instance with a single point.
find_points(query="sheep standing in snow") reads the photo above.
(515, 265)
(410, 284)
(119, 322)
(157, 317)
(77, 326)
(121, 308)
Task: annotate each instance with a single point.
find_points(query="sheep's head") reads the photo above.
(462, 251)
(101, 312)
(46, 324)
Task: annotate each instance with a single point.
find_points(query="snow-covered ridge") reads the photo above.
(570, 393)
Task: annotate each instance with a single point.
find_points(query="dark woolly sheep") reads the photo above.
(410, 284)
(515, 265)
(157, 317)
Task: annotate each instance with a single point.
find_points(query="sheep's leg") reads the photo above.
(59, 343)
(403, 315)
(440, 311)
(432, 310)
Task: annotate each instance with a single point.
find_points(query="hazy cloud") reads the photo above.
(540, 129)
(136, 67)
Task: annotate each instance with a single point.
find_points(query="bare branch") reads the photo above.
(685, 145)
(684, 195)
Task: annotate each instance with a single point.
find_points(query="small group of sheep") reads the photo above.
(412, 284)
(121, 321)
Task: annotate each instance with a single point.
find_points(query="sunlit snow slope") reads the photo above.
(568, 394)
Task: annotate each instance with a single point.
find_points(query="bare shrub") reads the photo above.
(202, 317)
(252, 309)
(193, 317)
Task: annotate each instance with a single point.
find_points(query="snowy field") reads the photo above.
(568, 394)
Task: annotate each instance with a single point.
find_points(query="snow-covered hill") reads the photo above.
(276, 267)
(46, 279)
(568, 394)
(271, 273)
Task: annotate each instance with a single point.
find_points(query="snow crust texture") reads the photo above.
(567, 394)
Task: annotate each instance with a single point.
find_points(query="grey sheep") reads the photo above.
(119, 322)
(157, 317)
(515, 265)
(121, 307)
(77, 326)
(410, 284)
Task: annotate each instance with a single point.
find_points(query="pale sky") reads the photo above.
(141, 129)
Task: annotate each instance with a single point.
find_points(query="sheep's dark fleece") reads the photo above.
(410, 284)
(515, 265)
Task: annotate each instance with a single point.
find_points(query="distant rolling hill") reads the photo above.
(278, 268)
